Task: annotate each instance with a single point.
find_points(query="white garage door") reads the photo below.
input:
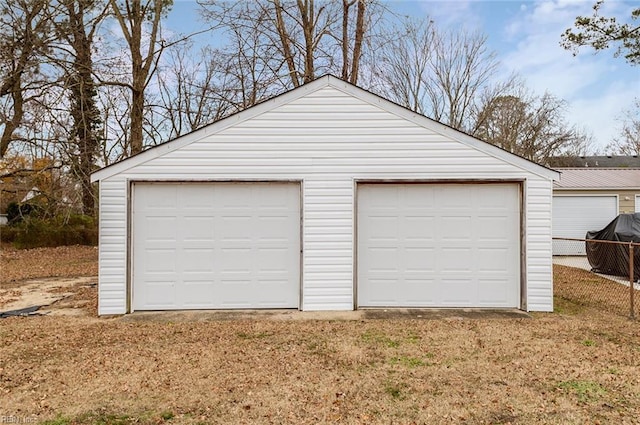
(574, 216)
(438, 245)
(216, 246)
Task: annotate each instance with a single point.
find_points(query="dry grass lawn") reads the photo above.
(579, 365)
(17, 265)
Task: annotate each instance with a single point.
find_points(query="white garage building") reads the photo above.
(587, 199)
(325, 198)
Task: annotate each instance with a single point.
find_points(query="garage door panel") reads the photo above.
(456, 292)
(420, 291)
(418, 259)
(196, 197)
(198, 228)
(418, 228)
(159, 260)
(574, 216)
(493, 291)
(493, 228)
(455, 259)
(458, 228)
(274, 228)
(160, 228)
(455, 197)
(493, 260)
(198, 260)
(465, 240)
(197, 292)
(160, 294)
(159, 198)
(381, 292)
(213, 245)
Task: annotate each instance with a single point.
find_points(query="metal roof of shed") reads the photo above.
(598, 178)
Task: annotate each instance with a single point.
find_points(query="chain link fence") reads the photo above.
(601, 274)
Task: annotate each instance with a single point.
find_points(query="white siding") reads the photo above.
(112, 256)
(327, 139)
(539, 265)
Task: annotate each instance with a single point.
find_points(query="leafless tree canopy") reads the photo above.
(85, 83)
(628, 140)
(530, 126)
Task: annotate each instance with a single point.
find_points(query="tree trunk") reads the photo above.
(357, 45)
(345, 34)
(284, 41)
(85, 113)
(131, 21)
(137, 112)
(12, 124)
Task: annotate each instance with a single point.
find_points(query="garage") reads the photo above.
(439, 245)
(575, 215)
(215, 245)
(324, 198)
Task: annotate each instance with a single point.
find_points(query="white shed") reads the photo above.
(327, 197)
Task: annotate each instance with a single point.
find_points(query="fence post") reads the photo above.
(632, 313)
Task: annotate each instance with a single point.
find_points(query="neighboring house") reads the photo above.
(586, 199)
(597, 161)
(327, 197)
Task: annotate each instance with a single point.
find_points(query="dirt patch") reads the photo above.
(63, 279)
(58, 296)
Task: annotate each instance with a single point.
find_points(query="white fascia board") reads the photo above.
(444, 130)
(210, 129)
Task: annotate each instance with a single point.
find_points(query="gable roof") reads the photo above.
(598, 178)
(306, 89)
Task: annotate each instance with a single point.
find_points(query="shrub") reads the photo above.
(33, 232)
(17, 212)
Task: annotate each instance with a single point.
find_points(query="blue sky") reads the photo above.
(525, 36)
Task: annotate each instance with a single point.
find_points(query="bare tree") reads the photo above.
(192, 95)
(533, 127)
(24, 36)
(461, 68)
(404, 69)
(145, 48)
(310, 36)
(76, 23)
(628, 140)
(114, 103)
(443, 75)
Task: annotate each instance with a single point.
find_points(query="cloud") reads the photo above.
(597, 86)
(449, 13)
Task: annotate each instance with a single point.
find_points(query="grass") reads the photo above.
(396, 391)
(407, 361)
(576, 290)
(249, 335)
(101, 417)
(585, 391)
(578, 365)
(376, 337)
